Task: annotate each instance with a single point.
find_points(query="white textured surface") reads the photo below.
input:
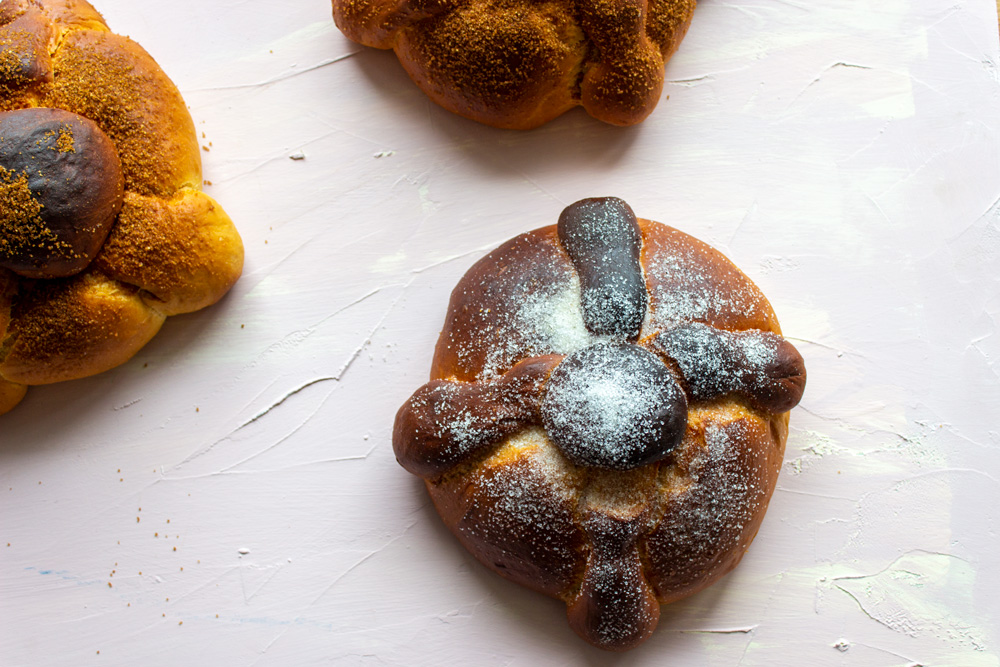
(846, 155)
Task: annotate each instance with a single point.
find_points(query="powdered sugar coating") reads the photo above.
(445, 424)
(549, 321)
(614, 405)
(689, 281)
(705, 357)
(759, 365)
(518, 513)
(612, 541)
(603, 240)
(708, 524)
(623, 495)
(522, 300)
(616, 607)
(451, 424)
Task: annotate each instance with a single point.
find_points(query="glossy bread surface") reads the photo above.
(615, 471)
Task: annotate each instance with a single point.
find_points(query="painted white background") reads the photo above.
(230, 497)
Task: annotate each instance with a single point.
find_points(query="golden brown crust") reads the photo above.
(517, 65)
(613, 543)
(25, 65)
(11, 393)
(171, 249)
(71, 328)
(66, 14)
(184, 251)
(61, 14)
(114, 82)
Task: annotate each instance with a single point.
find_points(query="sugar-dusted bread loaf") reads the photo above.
(606, 416)
(520, 64)
(104, 229)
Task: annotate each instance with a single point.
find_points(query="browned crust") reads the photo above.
(496, 511)
(482, 298)
(72, 328)
(517, 65)
(25, 64)
(11, 393)
(114, 82)
(691, 548)
(75, 197)
(186, 270)
(492, 410)
(172, 249)
(703, 273)
(530, 515)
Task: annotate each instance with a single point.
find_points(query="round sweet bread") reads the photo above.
(104, 229)
(520, 64)
(606, 416)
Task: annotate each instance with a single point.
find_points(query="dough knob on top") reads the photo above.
(61, 188)
(614, 405)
